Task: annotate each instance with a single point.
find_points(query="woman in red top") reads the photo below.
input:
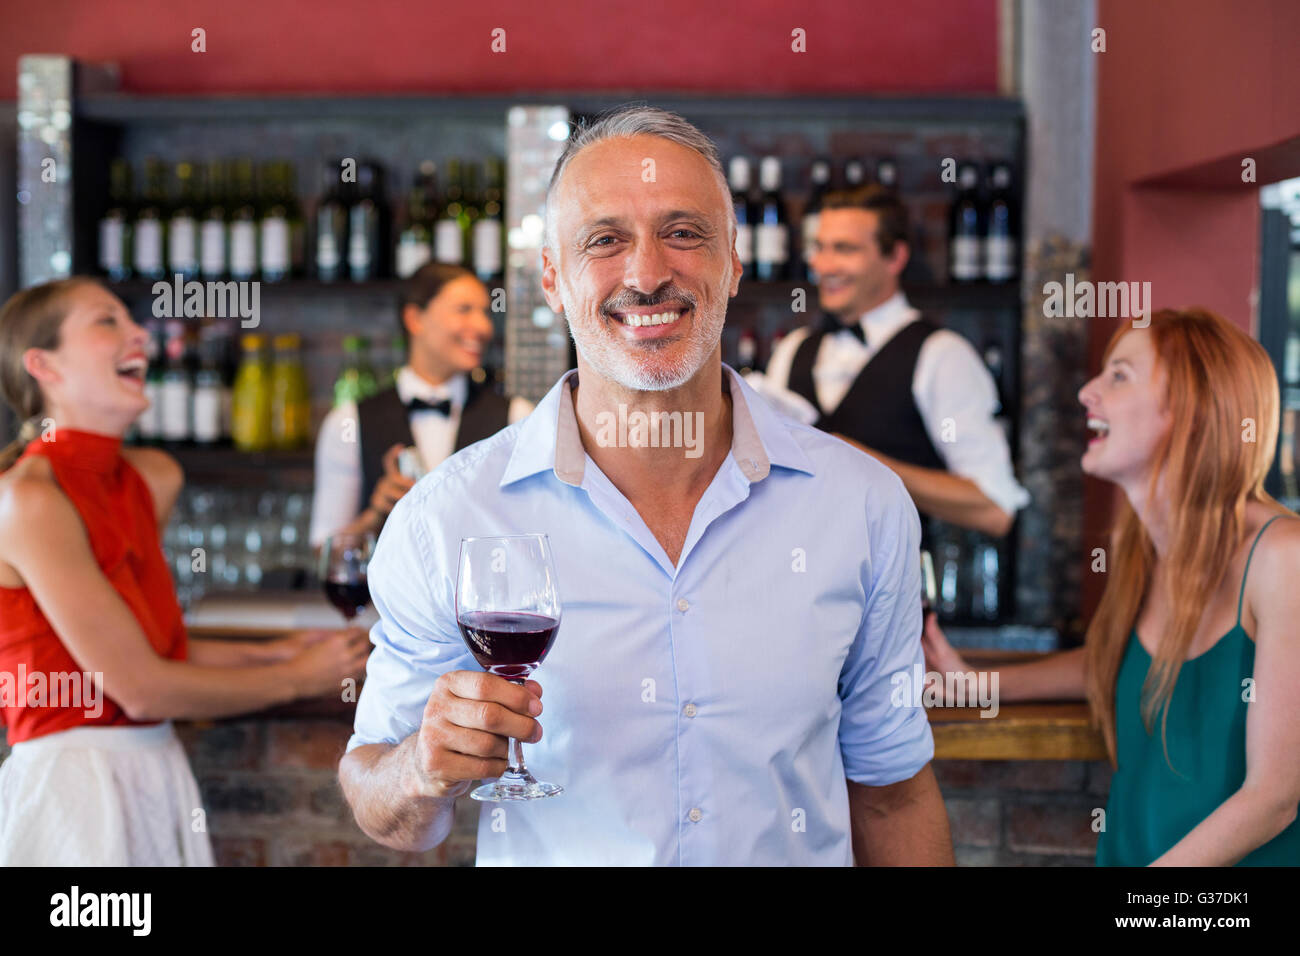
(94, 660)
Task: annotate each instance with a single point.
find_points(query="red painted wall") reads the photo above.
(1183, 95)
(281, 46)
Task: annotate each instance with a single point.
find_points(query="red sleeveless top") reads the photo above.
(117, 509)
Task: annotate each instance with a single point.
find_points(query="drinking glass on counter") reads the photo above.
(508, 611)
(344, 560)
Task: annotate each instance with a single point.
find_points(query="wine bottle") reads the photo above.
(488, 230)
(243, 223)
(746, 214)
(746, 352)
(966, 227)
(819, 179)
(1000, 253)
(887, 173)
(332, 224)
(149, 423)
(182, 227)
(415, 242)
(274, 228)
(177, 388)
(115, 227)
(206, 427)
(150, 224)
(214, 238)
(855, 173)
(366, 240)
(448, 237)
(772, 232)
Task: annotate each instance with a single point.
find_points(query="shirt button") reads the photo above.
(683, 605)
(689, 710)
(695, 815)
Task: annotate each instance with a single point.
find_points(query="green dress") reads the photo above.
(1152, 807)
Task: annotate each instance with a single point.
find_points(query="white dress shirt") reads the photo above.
(338, 446)
(950, 381)
(703, 713)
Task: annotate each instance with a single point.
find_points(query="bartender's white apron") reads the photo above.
(102, 796)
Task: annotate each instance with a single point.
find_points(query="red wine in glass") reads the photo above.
(509, 644)
(508, 612)
(344, 559)
(350, 597)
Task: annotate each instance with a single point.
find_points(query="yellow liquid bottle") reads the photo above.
(251, 397)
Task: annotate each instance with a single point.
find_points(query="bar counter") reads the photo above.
(1021, 787)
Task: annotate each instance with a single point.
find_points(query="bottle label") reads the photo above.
(327, 252)
(175, 410)
(965, 257)
(212, 248)
(275, 246)
(243, 248)
(448, 244)
(745, 243)
(487, 247)
(410, 256)
(182, 250)
(207, 413)
(148, 246)
(999, 257)
(110, 244)
(772, 244)
(810, 225)
(150, 420)
(358, 252)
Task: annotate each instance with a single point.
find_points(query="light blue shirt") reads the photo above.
(706, 714)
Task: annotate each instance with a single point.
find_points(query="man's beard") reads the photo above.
(632, 365)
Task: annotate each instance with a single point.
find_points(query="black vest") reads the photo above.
(878, 410)
(382, 422)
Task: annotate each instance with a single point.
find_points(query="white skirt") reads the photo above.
(102, 796)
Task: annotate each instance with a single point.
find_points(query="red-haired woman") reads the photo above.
(92, 645)
(1192, 660)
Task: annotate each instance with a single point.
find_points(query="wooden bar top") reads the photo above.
(1020, 731)
(1041, 730)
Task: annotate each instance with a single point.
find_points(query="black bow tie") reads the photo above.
(420, 405)
(831, 325)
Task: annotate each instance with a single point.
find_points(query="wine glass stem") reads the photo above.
(517, 767)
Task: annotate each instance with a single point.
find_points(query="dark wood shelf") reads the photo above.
(225, 464)
(141, 288)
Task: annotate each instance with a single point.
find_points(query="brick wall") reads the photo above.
(1023, 812)
(271, 792)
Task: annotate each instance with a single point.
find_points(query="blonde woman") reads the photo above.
(1192, 660)
(87, 604)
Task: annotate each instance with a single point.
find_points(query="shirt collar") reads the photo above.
(880, 323)
(549, 437)
(410, 385)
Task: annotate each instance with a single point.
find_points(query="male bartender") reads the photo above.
(913, 394)
(434, 406)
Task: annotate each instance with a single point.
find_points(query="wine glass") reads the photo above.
(508, 611)
(344, 559)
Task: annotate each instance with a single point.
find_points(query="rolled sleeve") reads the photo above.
(885, 736)
(953, 384)
(416, 639)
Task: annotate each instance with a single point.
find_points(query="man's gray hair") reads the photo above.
(626, 121)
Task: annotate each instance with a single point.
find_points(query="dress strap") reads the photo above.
(1241, 596)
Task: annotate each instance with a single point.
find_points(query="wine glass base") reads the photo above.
(499, 792)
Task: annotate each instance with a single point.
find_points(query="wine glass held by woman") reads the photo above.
(85, 590)
(1191, 663)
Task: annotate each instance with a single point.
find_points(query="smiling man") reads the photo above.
(719, 692)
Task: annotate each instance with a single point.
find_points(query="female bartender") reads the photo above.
(89, 622)
(1191, 661)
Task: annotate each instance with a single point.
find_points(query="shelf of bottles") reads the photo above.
(232, 189)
